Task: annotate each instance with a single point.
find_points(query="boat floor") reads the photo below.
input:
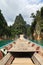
(22, 61)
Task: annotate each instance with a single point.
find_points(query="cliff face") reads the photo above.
(38, 36)
(38, 33)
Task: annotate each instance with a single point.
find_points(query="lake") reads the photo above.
(40, 42)
(4, 42)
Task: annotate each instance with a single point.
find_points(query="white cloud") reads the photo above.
(34, 1)
(11, 8)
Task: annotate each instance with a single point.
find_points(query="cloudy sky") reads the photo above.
(12, 8)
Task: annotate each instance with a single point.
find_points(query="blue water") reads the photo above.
(4, 42)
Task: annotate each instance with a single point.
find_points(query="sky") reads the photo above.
(12, 8)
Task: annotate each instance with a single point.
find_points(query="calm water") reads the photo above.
(4, 42)
(40, 42)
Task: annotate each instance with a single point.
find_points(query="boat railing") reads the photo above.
(7, 59)
(37, 59)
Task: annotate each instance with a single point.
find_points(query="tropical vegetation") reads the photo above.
(21, 27)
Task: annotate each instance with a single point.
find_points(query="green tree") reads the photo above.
(37, 24)
(19, 26)
(4, 29)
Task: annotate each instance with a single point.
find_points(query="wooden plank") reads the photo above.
(22, 61)
(5, 59)
(38, 60)
(23, 64)
(10, 60)
(15, 49)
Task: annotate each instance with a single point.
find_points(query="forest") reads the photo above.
(33, 31)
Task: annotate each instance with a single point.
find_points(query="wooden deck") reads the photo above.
(22, 61)
(17, 49)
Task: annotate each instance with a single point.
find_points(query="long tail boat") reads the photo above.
(22, 52)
